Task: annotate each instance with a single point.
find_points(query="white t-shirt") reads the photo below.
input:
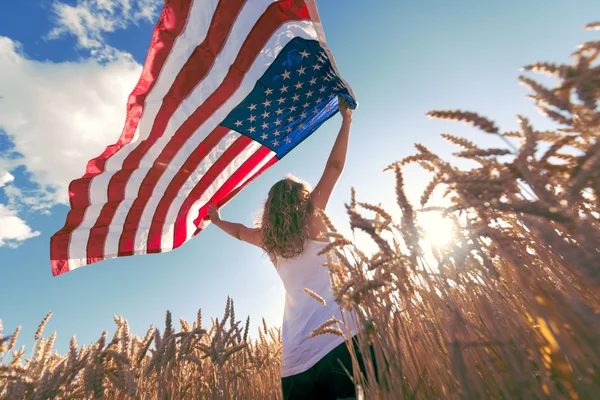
(302, 314)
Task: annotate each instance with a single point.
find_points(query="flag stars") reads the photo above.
(268, 115)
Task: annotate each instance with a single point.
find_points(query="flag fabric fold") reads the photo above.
(229, 87)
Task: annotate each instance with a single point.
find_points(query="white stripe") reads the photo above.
(195, 32)
(267, 158)
(233, 166)
(209, 193)
(111, 245)
(79, 238)
(141, 238)
(277, 42)
(204, 223)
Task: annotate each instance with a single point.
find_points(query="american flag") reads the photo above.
(229, 87)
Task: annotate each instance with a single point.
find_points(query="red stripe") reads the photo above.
(220, 199)
(130, 228)
(234, 180)
(180, 231)
(169, 26)
(190, 165)
(231, 195)
(131, 224)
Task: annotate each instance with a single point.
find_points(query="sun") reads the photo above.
(437, 230)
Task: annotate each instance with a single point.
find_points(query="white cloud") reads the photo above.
(90, 20)
(58, 116)
(5, 177)
(13, 230)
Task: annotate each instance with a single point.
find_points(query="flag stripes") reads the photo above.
(171, 23)
(149, 192)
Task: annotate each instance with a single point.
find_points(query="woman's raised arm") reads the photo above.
(336, 161)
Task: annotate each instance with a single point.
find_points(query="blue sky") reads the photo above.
(64, 84)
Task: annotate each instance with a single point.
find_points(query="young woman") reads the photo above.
(312, 368)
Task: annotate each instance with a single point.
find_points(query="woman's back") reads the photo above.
(302, 313)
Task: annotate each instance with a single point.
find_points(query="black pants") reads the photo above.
(327, 378)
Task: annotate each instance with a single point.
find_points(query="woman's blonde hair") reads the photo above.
(285, 219)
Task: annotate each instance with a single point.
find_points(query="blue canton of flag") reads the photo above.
(296, 95)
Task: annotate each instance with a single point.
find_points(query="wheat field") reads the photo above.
(509, 310)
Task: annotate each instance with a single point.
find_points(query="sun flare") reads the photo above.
(437, 230)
